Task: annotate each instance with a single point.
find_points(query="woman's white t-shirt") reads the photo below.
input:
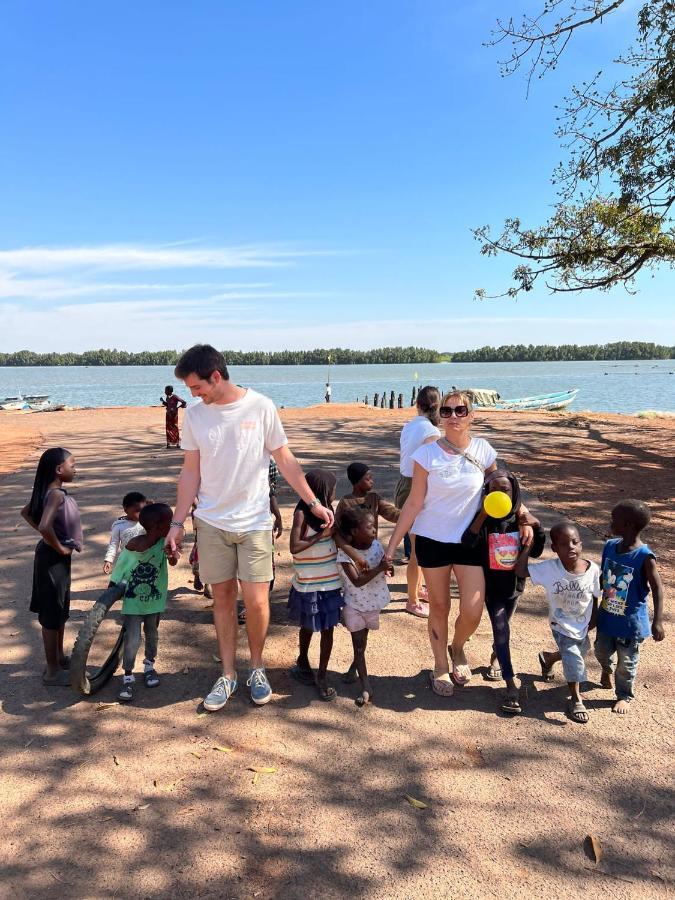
(454, 489)
(413, 435)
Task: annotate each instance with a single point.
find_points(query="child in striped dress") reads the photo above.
(315, 598)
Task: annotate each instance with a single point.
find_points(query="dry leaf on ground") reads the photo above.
(418, 804)
(116, 761)
(223, 749)
(262, 770)
(592, 848)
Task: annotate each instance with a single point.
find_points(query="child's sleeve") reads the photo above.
(113, 545)
(123, 567)
(597, 585)
(538, 573)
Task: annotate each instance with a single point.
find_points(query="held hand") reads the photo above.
(278, 528)
(362, 565)
(174, 541)
(66, 551)
(326, 515)
(526, 535)
(658, 632)
(107, 567)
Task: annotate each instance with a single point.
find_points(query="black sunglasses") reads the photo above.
(461, 412)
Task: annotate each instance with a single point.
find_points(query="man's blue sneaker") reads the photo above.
(261, 692)
(220, 693)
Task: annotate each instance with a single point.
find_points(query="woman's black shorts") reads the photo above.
(433, 554)
(51, 587)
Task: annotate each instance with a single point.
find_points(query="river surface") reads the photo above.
(621, 387)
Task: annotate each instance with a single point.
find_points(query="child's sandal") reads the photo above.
(126, 695)
(578, 713)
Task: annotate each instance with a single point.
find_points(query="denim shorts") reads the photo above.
(573, 652)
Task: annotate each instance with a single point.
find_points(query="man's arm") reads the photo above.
(188, 486)
(291, 469)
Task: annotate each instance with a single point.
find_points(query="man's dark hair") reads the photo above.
(132, 498)
(635, 512)
(559, 527)
(153, 513)
(202, 360)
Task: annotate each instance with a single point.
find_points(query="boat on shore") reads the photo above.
(485, 398)
(38, 401)
(12, 403)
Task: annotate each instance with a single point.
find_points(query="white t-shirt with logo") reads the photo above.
(413, 434)
(373, 595)
(570, 597)
(234, 442)
(454, 489)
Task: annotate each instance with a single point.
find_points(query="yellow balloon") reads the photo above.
(497, 504)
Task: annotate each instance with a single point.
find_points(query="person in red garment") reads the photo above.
(172, 402)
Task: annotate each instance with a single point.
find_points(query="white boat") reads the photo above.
(12, 403)
(489, 399)
(38, 401)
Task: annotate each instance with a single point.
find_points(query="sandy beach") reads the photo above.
(159, 800)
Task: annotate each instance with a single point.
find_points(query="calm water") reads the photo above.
(604, 386)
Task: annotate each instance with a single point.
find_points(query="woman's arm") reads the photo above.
(411, 509)
(297, 543)
(46, 526)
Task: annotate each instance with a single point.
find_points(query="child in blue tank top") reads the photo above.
(628, 574)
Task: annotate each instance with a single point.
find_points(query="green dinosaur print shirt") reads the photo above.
(147, 578)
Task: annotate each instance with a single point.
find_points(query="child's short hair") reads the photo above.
(152, 514)
(352, 518)
(132, 498)
(356, 471)
(559, 527)
(637, 513)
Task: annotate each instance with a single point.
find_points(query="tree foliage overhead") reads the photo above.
(614, 215)
(565, 352)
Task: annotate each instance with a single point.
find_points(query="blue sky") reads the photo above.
(270, 175)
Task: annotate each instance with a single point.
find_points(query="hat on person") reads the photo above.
(356, 471)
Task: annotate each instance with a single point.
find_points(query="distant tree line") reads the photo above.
(565, 352)
(335, 355)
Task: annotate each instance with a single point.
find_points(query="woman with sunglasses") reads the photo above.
(444, 497)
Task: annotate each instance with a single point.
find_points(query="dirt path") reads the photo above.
(138, 801)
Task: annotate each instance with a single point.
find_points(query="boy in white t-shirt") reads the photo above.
(572, 585)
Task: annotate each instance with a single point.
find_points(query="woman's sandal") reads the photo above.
(546, 670)
(578, 713)
(441, 685)
(461, 674)
(511, 704)
(494, 673)
(304, 676)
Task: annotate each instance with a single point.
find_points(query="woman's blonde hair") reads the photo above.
(464, 396)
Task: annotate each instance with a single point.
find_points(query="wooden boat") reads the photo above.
(38, 401)
(489, 399)
(12, 403)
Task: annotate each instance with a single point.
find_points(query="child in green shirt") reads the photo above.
(142, 565)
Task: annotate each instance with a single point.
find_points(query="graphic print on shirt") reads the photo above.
(616, 579)
(503, 550)
(569, 600)
(142, 584)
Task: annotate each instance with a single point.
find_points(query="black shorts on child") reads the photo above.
(50, 598)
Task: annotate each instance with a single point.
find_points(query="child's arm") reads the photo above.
(353, 554)
(387, 510)
(656, 587)
(278, 527)
(594, 615)
(471, 534)
(114, 547)
(359, 579)
(521, 569)
(27, 518)
(298, 543)
(46, 526)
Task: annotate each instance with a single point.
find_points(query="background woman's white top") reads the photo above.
(454, 488)
(413, 435)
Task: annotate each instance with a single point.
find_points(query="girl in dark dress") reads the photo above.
(54, 514)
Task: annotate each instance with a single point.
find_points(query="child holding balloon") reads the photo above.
(495, 531)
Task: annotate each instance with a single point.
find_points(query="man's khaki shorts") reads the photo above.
(224, 555)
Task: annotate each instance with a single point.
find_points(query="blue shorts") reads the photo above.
(573, 652)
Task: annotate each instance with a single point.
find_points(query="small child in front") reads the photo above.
(366, 593)
(124, 529)
(628, 574)
(143, 566)
(572, 585)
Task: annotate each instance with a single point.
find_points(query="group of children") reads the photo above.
(339, 574)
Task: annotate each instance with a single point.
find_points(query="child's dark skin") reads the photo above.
(622, 527)
(566, 544)
(361, 539)
(53, 639)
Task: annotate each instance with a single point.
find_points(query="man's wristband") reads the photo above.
(177, 525)
(313, 503)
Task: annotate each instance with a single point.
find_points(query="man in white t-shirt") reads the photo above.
(228, 438)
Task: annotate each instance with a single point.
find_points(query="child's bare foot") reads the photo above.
(621, 707)
(366, 694)
(606, 680)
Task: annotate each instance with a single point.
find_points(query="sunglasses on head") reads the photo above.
(461, 412)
